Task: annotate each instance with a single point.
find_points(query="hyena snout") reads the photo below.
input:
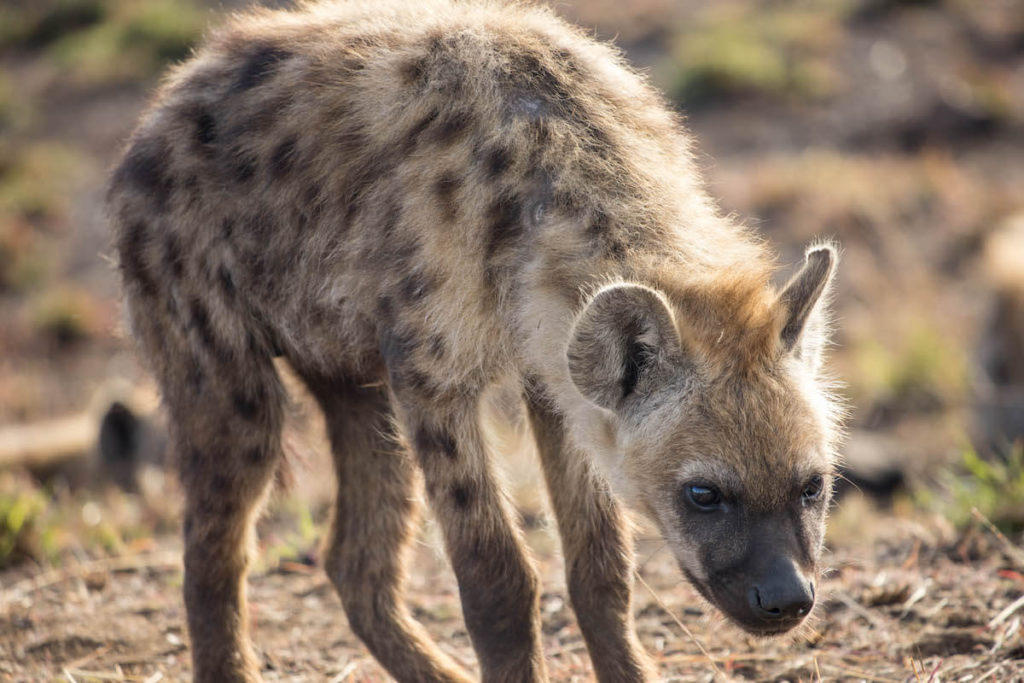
(767, 599)
(784, 595)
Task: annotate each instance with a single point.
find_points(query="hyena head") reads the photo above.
(716, 424)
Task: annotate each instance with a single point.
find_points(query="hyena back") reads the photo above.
(410, 202)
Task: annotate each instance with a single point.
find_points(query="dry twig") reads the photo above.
(679, 623)
(1009, 548)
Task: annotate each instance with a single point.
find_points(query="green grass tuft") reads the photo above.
(20, 511)
(994, 486)
(778, 50)
(28, 25)
(923, 372)
(135, 41)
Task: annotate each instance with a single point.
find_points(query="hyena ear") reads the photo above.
(803, 303)
(621, 344)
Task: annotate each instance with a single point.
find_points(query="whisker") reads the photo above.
(679, 623)
(840, 475)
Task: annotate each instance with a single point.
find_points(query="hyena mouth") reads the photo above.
(748, 611)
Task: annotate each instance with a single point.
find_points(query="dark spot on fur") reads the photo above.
(419, 383)
(200, 322)
(446, 188)
(600, 224)
(414, 71)
(452, 127)
(412, 137)
(260, 64)
(385, 308)
(189, 524)
(172, 255)
(414, 287)
(195, 377)
(219, 484)
(497, 162)
(567, 61)
(617, 250)
(246, 406)
(376, 167)
(352, 63)
(541, 133)
(243, 168)
(192, 459)
(206, 128)
(282, 160)
(392, 249)
(462, 495)
(505, 225)
(254, 456)
(312, 195)
(145, 167)
(436, 346)
(435, 440)
(565, 203)
(600, 140)
(131, 247)
(256, 345)
(212, 506)
(539, 79)
(227, 227)
(227, 282)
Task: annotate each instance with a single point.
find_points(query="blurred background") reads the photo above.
(894, 126)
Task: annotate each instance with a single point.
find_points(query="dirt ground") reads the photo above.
(913, 604)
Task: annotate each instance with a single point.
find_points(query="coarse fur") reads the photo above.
(411, 202)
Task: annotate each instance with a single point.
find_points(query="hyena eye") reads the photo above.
(812, 489)
(703, 498)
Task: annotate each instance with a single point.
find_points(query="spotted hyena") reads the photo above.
(410, 202)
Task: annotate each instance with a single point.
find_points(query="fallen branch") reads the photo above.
(52, 442)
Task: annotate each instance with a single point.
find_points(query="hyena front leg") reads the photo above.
(497, 583)
(374, 518)
(598, 551)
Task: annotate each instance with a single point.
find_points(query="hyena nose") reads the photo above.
(784, 594)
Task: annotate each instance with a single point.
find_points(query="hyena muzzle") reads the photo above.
(409, 203)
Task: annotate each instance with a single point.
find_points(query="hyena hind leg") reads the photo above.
(374, 519)
(227, 437)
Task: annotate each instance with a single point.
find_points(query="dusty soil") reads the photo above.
(910, 605)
